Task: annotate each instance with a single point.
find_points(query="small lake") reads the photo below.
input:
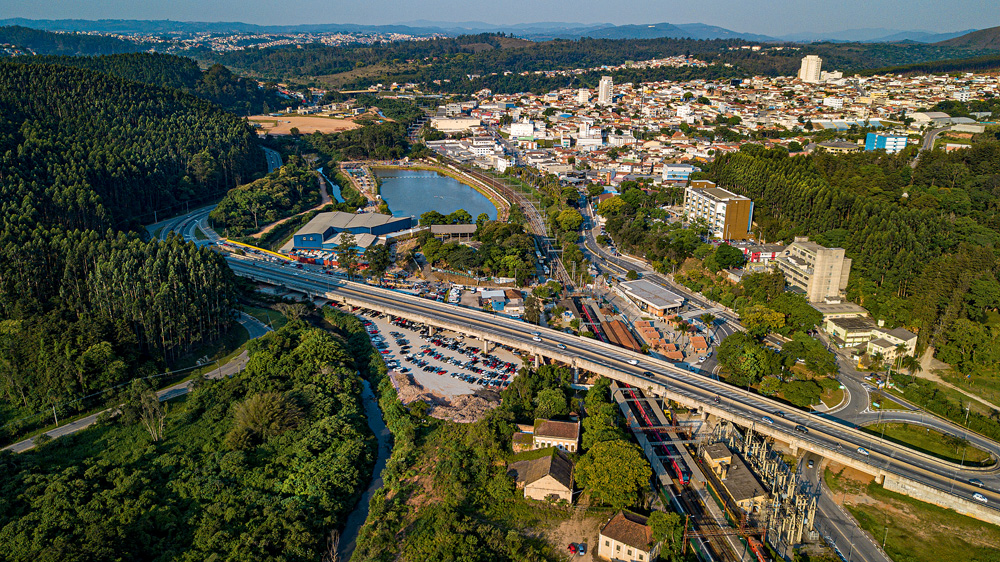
(414, 192)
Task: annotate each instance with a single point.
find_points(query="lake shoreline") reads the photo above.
(500, 204)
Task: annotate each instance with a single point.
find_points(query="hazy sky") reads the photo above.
(772, 17)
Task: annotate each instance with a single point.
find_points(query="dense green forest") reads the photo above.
(48, 43)
(262, 466)
(923, 240)
(287, 191)
(216, 84)
(85, 155)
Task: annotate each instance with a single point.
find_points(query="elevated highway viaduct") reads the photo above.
(896, 467)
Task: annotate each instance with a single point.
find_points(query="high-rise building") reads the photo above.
(820, 272)
(583, 96)
(727, 215)
(810, 70)
(605, 90)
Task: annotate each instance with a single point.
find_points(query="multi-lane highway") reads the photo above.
(831, 437)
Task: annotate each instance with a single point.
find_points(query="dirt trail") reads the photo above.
(324, 200)
(929, 370)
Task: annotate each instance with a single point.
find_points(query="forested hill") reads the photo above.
(48, 43)
(83, 156)
(216, 84)
(499, 60)
(923, 241)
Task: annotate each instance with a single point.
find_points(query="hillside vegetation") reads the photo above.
(216, 84)
(262, 466)
(498, 61)
(84, 303)
(286, 191)
(983, 39)
(923, 241)
(48, 43)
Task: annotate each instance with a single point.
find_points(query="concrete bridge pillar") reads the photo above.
(576, 374)
(486, 345)
(538, 360)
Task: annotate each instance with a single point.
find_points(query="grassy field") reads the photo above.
(198, 234)
(931, 442)
(268, 316)
(917, 531)
(832, 397)
(884, 403)
(952, 395)
(984, 383)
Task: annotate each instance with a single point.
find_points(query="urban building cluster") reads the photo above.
(649, 129)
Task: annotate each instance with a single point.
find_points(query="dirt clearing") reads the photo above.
(461, 408)
(306, 124)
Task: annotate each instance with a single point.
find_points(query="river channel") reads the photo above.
(349, 538)
(414, 192)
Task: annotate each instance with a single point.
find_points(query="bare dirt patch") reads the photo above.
(580, 527)
(306, 124)
(463, 408)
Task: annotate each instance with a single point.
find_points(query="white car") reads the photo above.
(633, 362)
(863, 451)
(561, 346)
(979, 497)
(536, 338)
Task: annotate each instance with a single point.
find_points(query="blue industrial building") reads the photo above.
(890, 143)
(320, 232)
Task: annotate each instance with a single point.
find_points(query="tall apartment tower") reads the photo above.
(605, 90)
(810, 70)
(583, 96)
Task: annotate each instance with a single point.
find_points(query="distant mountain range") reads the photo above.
(982, 39)
(873, 35)
(539, 31)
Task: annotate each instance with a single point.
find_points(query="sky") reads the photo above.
(769, 17)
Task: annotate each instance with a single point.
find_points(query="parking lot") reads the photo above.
(442, 363)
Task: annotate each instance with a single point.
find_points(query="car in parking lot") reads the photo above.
(979, 497)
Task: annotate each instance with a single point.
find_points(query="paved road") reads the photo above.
(834, 436)
(254, 327)
(834, 522)
(726, 323)
(928, 143)
(273, 159)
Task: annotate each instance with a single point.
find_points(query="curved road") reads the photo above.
(828, 434)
